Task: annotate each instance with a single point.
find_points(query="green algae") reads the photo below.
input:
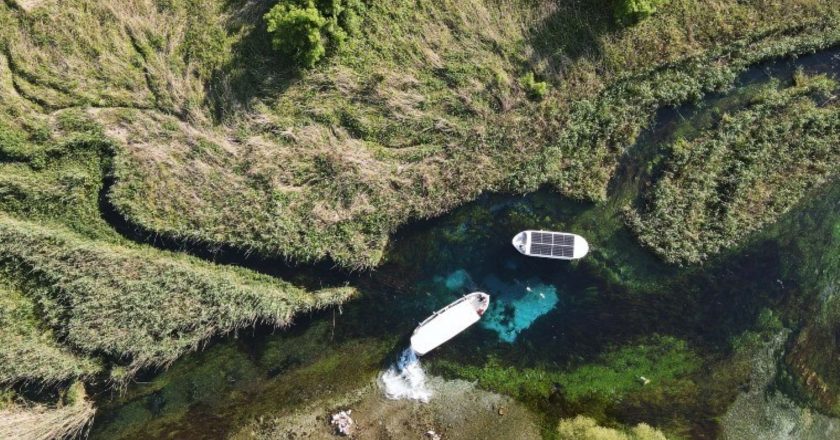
(809, 370)
(214, 392)
(656, 372)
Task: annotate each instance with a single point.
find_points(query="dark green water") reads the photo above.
(548, 315)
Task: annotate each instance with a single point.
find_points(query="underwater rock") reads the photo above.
(517, 305)
(768, 414)
(457, 280)
(342, 422)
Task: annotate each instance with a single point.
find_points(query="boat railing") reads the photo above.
(438, 312)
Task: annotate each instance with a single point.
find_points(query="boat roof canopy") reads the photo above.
(444, 327)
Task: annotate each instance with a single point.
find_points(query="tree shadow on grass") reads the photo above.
(570, 32)
(255, 69)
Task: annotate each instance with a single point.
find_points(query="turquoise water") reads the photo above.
(545, 314)
(517, 305)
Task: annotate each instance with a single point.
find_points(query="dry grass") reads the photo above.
(420, 113)
(40, 422)
(405, 124)
(140, 305)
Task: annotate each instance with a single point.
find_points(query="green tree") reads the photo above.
(296, 32)
(305, 30)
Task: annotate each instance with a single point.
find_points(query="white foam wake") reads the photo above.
(405, 379)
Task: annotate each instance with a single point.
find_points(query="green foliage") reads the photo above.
(297, 32)
(633, 11)
(585, 428)
(305, 30)
(12, 143)
(535, 89)
(206, 42)
(7, 398)
(29, 352)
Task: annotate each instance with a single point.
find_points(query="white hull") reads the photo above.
(447, 322)
(548, 244)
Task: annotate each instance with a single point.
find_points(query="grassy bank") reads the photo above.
(221, 142)
(137, 304)
(748, 169)
(80, 299)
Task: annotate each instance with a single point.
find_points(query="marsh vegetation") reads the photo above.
(141, 139)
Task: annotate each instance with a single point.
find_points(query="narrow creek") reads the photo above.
(545, 314)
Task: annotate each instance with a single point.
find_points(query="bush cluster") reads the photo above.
(585, 428)
(536, 90)
(304, 30)
(633, 11)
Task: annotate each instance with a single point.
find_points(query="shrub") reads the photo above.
(585, 428)
(296, 32)
(535, 89)
(12, 144)
(633, 11)
(304, 29)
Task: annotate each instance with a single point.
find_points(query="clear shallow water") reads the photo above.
(544, 313)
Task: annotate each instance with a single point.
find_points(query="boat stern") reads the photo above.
(520, 242)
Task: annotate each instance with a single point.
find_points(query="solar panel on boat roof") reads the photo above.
(541, 249)
(563, 251)
(564, 239)
(552, 244)
(541, 237)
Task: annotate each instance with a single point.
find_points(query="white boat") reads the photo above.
(548, 244)
(447, 322)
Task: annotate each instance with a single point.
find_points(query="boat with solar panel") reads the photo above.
(548, 244)
(447, 322)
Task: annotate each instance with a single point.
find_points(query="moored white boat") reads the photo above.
(447, 322)
(549, 244)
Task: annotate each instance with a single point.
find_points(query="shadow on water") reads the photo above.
(547, 313)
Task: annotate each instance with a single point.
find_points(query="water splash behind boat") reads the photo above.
(405, 379)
